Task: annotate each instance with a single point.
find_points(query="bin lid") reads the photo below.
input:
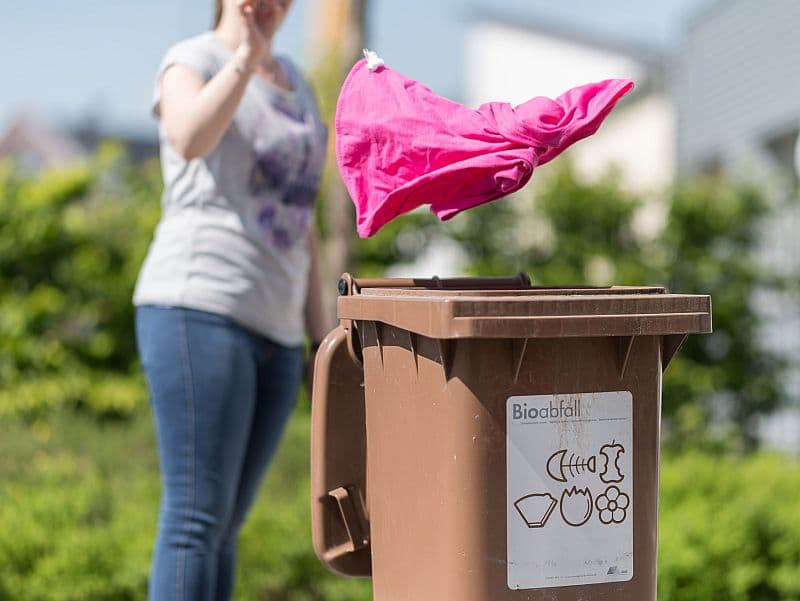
(530, 313)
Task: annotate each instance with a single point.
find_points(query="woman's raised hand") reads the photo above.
(255, 43)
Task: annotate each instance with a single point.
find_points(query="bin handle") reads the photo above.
(350, 507)
(339, 518)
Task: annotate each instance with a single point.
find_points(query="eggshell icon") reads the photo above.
(576, 506)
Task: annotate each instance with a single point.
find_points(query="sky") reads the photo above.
(69, 62)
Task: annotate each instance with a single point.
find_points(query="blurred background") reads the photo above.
(692, 183)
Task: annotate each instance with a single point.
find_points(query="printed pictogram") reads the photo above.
(613, 505)
(611, 472)
(576, 506)
(569, 486)
(536, 509)
(560, 468)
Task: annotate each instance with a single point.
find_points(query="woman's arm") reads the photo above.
(317, 322)
(196, 114)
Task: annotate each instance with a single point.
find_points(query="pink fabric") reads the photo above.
(399, 145)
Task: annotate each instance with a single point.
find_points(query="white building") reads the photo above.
(736, 83)
(737, 87)
(727, 98)
(514, 60)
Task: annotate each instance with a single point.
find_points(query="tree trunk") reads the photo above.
(340, 32)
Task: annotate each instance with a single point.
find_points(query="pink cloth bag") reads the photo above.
(399, 145)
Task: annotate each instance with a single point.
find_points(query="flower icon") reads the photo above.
(613, 505)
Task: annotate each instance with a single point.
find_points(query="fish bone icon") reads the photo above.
(561, 468)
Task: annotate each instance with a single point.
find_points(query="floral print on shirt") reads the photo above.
(284, 181)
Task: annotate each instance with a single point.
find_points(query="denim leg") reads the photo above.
(202, 374)
(280, 370)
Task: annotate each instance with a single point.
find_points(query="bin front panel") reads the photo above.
(437, 458)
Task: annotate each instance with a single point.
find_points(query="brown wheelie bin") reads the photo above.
(482, 440)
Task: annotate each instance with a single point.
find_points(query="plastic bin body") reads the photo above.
(430, 494)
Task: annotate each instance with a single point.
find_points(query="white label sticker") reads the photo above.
(569, 489)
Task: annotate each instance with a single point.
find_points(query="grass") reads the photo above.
(83, 494)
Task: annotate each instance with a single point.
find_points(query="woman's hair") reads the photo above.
(217, 12)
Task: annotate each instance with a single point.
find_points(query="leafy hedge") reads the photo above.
(730, 529)
(71, 243)
(77, 518)
(702, 237)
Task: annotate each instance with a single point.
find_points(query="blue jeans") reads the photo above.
(221, 396)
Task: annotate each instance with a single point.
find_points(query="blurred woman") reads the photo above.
(229, 290)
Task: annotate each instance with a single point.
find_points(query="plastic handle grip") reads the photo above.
(340, 527)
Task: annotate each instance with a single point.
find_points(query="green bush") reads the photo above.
(570, 231)
(71, 243)
(71, 534)
(78, 516)
(729, 528)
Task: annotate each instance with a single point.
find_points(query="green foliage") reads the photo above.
(71, 243)
(709, 246)
(729, 528)
(569, 233)
(77, 515)
(576, 233)
(399, 241)
(77, 519)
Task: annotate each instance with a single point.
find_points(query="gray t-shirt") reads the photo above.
(233, 236)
